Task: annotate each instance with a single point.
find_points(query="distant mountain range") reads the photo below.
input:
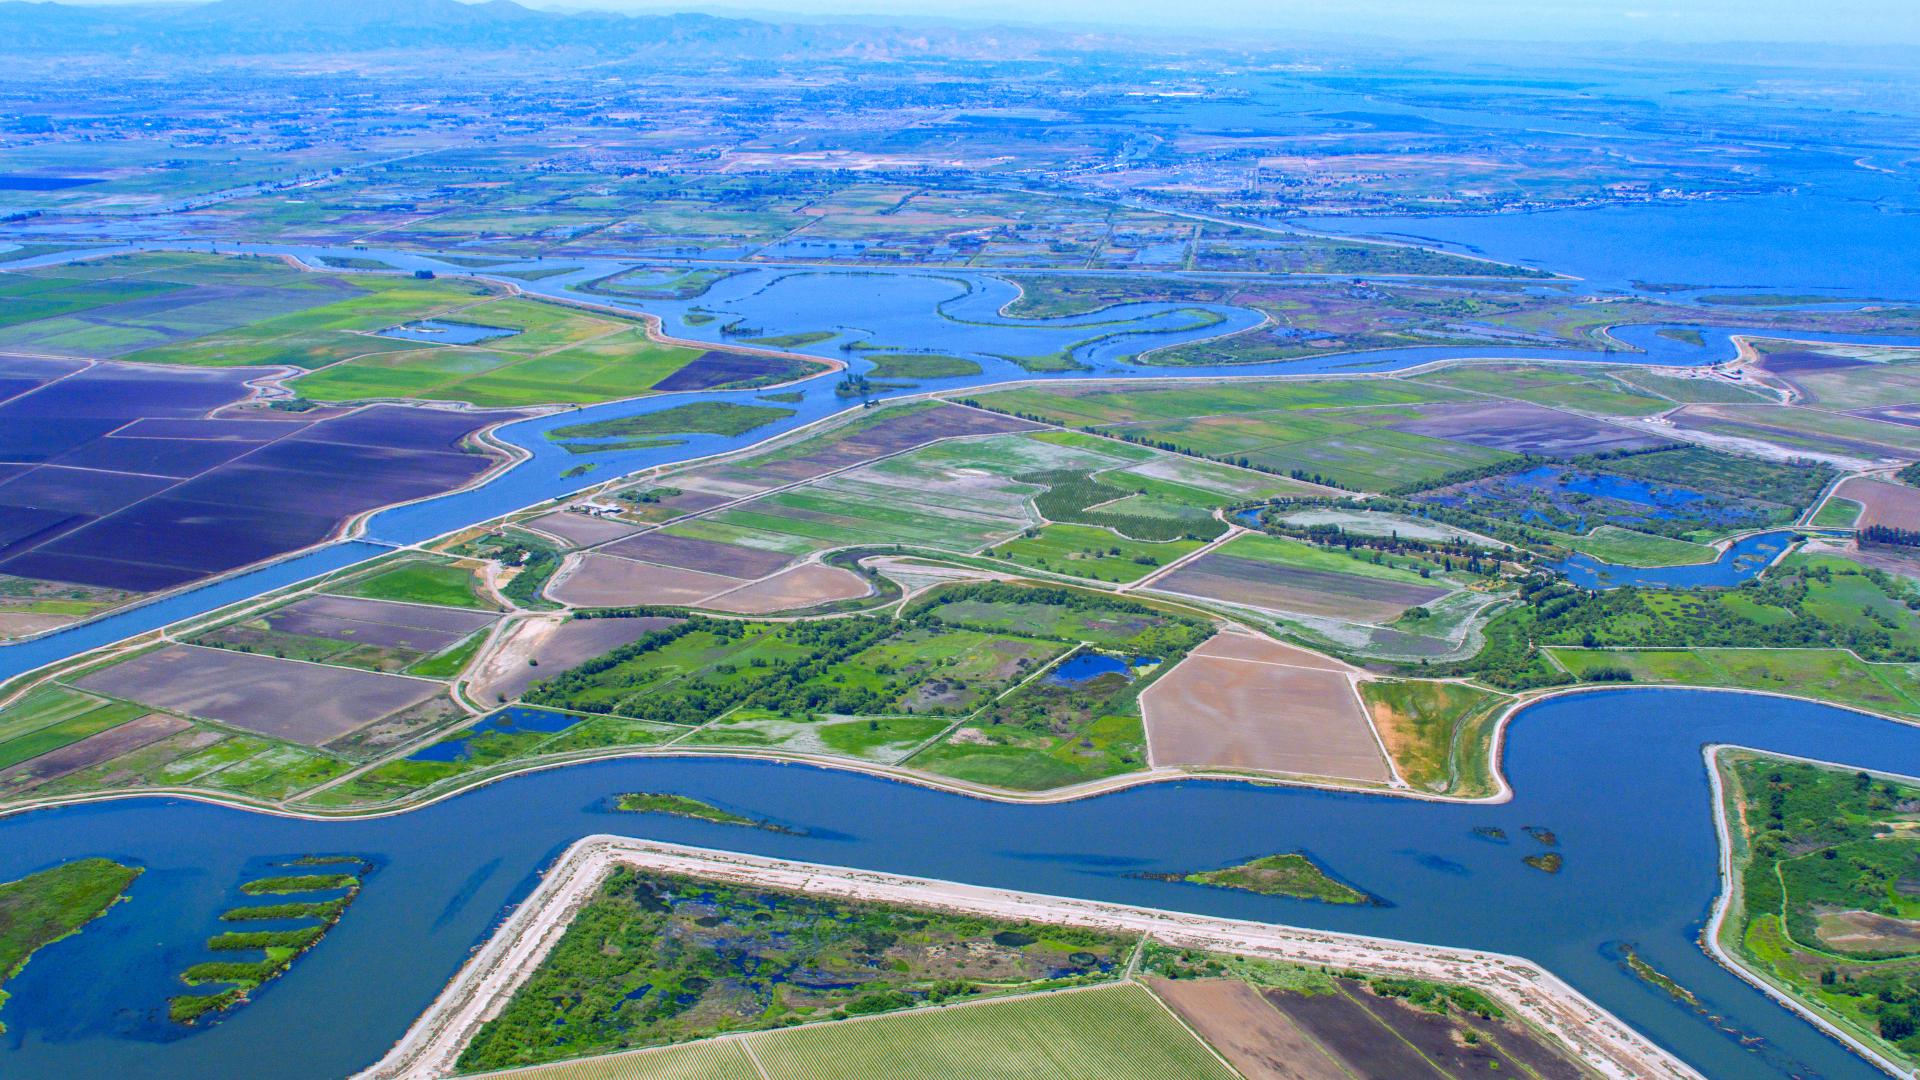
(282, 27)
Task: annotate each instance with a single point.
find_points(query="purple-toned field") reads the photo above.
(711, 369)
(117, 477)
(1265, 585)
(706, 556)
(888, 436)
(581, 530)
(1520, 428)
(283, 699)
(540, 649)
(382, 623)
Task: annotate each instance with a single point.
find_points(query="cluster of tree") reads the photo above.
(1887, 534)
(1771, 613)
(1157, 633)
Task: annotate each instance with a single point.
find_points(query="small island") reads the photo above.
(40, 909)
(278, 948)
(1547, 861)
(655, 802)
(1293, 875)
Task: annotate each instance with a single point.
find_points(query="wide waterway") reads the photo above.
(1616, 775)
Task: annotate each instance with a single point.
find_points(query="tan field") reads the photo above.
(1241, 702)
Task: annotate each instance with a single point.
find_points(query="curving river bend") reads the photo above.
(1617, 775)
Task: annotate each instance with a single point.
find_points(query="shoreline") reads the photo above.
(432, 1044)
(1714, 754)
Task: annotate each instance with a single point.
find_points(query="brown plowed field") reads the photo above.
(556, 649)
(1255, 1038)
(581, 530)
(706, 556)
(1884, 502)
(888, 436)
(1254, 583)
(284, 699)
(803, 586)
(1520, 428)
(1226, 710)
(604, 581)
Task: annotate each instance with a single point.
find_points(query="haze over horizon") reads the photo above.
(1876, 23)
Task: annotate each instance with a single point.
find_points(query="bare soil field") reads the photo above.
(1867, 932)
(595, 580)
(1255, 1038)
(284, 699)
(804, 586)
(706, 556)
(1520, 428)
(95, 749)
(1254, 583)
(1246, 707)
(581, 530)
(384, 623)
(1882, 501)
(554, 647)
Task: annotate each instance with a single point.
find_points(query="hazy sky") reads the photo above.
(1877, 22)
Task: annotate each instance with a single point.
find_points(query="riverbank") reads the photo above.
(483, 986)
(1728, 903)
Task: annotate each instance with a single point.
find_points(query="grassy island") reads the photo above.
(43, 908)
(653, 802)
(1826, 903)
(1293, 875)
(274, 951)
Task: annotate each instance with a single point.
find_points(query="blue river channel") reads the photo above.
(1616, 774)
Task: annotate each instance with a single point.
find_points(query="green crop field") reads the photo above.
(1625, 547)
(1078, 1035)
(1555, 387)
(55, 717)
(422, 581)
(1096, 554)
(1284, 552)
(1837, 514)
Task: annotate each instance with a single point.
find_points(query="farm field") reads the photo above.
(1078, 721)
(1875, 502)
(1245, 702)
(1369, 435)
(204, 493)
(422, 581)
(1281, 575)
(1803, 432)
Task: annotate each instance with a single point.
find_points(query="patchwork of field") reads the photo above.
(580, 530)
(970, 493)
(1576, 388)
(1843, 377)
(1274, 574)
(1372, 435)
(377, 634)
(101, 456)
(1316, 1033)
(1805, 431)
(1246, 702)
(1881, 502)
(259, 693)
